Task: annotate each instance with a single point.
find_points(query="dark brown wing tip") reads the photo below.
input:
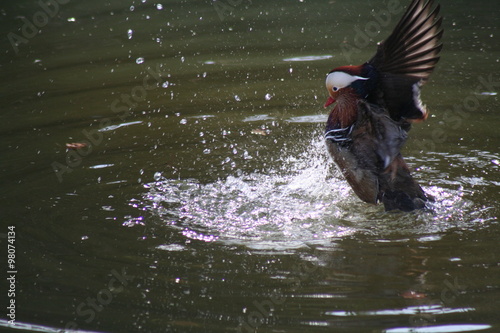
(413, 47)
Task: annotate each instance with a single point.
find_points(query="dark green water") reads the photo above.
(205, 201)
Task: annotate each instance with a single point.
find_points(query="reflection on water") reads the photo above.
(26, 327)
(411, 310)
(309, 58)
(305, 201)
(440, 329)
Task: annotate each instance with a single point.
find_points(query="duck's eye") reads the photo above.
(335, 89)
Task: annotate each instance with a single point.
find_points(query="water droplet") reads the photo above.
(129, 33)
(165, 84)
(71, 19)
(85, 237)
(132, 8)
(139, 60)
(268, 97)
(183, 121)
(183, 59)
(237, 98)
(206, 151)
(157, 176)
(159, 6)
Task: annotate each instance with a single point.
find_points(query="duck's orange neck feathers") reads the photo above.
(345, 111)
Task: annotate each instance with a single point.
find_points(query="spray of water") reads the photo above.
(303, 203)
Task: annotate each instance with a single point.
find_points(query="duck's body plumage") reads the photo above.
(374, 106)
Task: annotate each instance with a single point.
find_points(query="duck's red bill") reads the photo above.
(329, 101)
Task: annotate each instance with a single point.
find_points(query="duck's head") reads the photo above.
(342, 78)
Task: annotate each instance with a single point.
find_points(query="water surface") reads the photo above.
(205, 200)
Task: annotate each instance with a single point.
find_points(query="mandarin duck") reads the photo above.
(374, 105)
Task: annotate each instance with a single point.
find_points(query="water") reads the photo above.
(204, 200)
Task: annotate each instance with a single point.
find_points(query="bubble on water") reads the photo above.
(130, 32)
(237, 98)
(132, 8)
(268, 97)
(139, 60)
(165, 84)
(183, 121)
(159, 6)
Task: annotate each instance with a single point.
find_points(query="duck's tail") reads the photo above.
(398, 189)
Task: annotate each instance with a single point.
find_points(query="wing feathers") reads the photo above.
(414, 42)
(417, 63)
(422, 40)
(406, 59)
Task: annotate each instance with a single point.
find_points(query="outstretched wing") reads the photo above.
(406, 59)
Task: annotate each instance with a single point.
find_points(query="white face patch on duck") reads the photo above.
(339, 80)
